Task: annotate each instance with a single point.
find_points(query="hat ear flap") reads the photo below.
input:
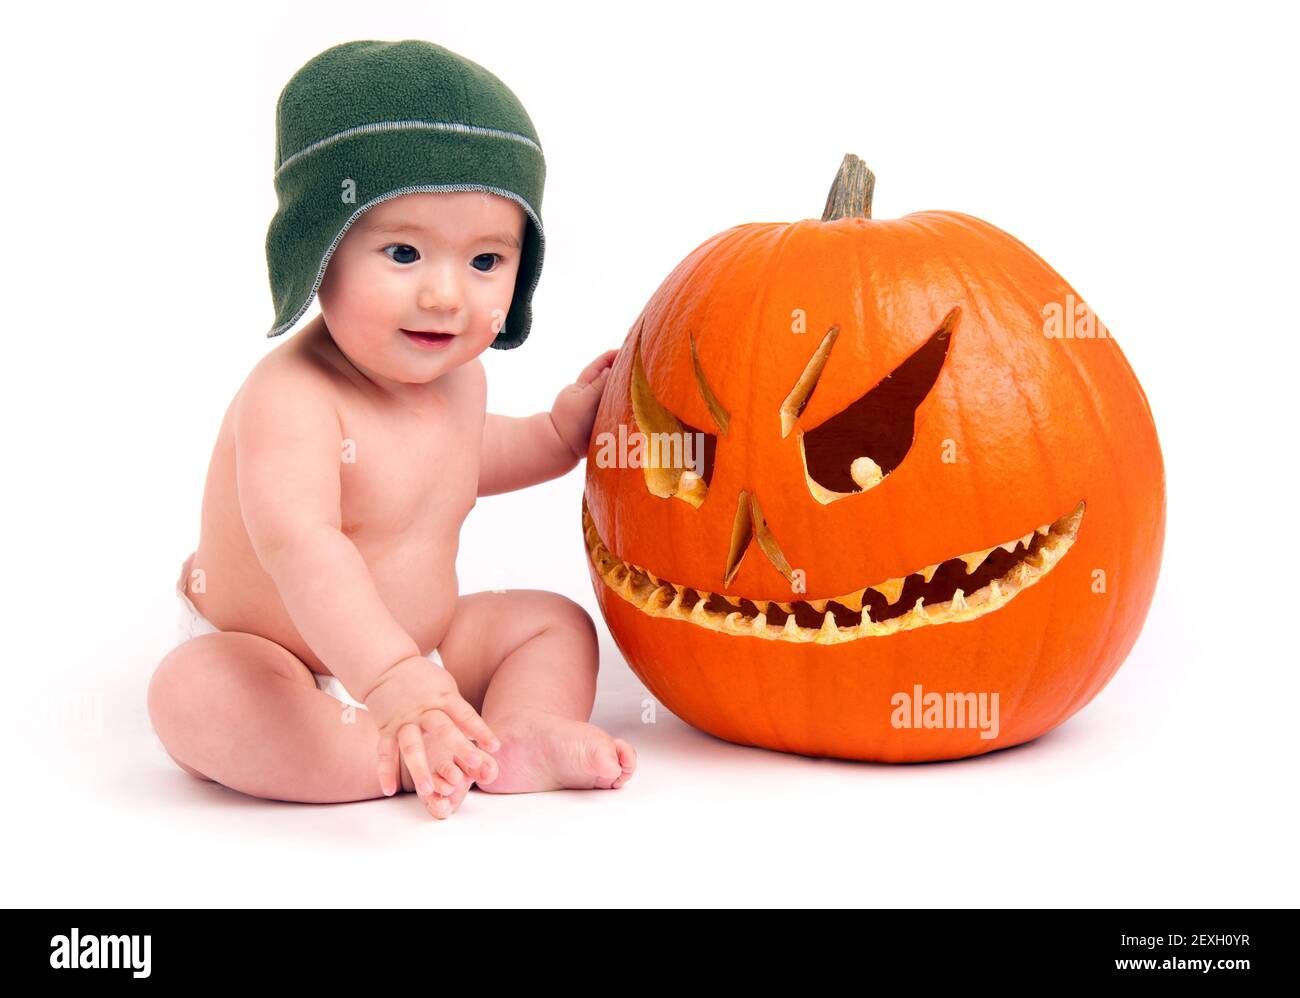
(519, 318)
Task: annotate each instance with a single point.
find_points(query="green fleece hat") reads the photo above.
(367, 121)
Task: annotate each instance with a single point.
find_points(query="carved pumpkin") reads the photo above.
(927, 471)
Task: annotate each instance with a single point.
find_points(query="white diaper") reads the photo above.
(192, 624)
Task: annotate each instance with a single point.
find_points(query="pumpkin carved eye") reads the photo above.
(856, 448)
(670, 440)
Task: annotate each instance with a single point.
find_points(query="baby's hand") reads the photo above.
(574, 412)
(420, 712)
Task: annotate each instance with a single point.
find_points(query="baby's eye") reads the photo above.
(402, 247)
(491, 258)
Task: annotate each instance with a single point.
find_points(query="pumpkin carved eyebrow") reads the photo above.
(720, 414)
(798, 398)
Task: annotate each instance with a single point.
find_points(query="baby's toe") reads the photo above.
(608, 765)
(626, 761)
(486, 771)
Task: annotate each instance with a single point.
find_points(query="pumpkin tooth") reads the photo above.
(759, 624)
(852, 601)
(1010, 546)
(732, 623)
(995, 591)
(657, 600)
(818, 604)
(762, 604)
(975, 559)
(1045, 529)
(958, 601)
(829, 633)
(787, 607)
(1044, 558)
(674, 609)
(691, 488)
(891, 590)
(927, 573)
(699, 615)
(733, 600)
(865, 473)
(791, 630)
(1027, 540)
(917, 614)
(626, 588)
(654, 579)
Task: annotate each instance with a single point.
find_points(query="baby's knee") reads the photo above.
(196, 679)
(172, 700)
(558, 619)
(167, 686)
(564, 612)
(172, 693)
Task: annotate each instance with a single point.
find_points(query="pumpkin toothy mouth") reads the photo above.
(962, 588)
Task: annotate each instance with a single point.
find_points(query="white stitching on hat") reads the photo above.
(388, 126)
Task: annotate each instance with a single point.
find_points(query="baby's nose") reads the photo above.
(440, 289)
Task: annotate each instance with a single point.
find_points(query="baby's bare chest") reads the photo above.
(409, 473)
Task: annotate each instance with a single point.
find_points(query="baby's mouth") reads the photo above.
(961, 588)
(429, 339)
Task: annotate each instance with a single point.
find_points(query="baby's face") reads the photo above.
(441, 261)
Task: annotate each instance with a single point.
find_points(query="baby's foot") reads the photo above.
(543, 751)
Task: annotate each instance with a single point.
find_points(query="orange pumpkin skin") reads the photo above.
(1018, 428)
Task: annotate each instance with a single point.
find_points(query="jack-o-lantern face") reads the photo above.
(853, 450)
(927, 459)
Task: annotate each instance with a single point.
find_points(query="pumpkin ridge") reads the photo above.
(1082, 386)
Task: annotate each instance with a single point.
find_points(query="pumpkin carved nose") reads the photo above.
(748, 526)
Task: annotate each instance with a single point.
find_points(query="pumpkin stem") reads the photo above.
(851, 194)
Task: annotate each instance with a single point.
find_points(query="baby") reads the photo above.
(327, 653)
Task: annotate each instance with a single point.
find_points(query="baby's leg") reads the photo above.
(245, 712)
(527, 660)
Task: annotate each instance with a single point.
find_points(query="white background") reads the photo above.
(1148, 154)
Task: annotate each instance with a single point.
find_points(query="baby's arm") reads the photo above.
(288, 453)
(522, 451)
